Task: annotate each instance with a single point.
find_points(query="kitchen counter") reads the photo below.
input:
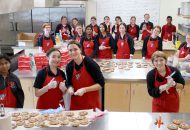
(128, 121)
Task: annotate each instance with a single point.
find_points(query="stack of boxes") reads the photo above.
(40, 60)
(24, 63)
(65, 58)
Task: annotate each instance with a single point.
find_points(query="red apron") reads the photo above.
(152, 46)
(168, 32)
(47, 44)
(145, 32)
(183, 52)
(9, 99)
(95, 28)
(166, 102)
(132, 31)
(108, 29)
(78, 38)
(107, 53)
(123, 50)
(51, 99)
(88, 47)
(65, 35)
(90, 100)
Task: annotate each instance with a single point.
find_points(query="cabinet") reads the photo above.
(117, 96)
(140, 99)
(27, 86)
(184, 99)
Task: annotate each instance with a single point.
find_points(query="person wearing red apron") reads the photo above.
(133, 29)
(162, 83)
(46, 40)
(106, 43)
(49, 84)
(11, 93)
(115, 28)
(84, 80)
(108, 24)
(168, 30)
(124, 44)
(78, 36)
(94, 26)
(75, 21)
(152, 43)
(183, 52)
(64, 29)
(89, 44)
(146, 26)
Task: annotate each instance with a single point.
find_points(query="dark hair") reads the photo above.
(75, 19)
(124, 25)
(105, 26)
(79, 25)
(106, 17)
(75, 43)
(118, 17)
(93, 17)
(52, 50)
(169, 17)
(146, 14)
(3, 56)
(63, 17)
(88, 26)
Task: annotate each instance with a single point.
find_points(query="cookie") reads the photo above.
(172, 126)
(80, 117)
(83, 113)
(25, 117)
(28, 125)
(41, 118)
(69, 113)
(14, 125)
(184, 126)
(71, 119)
(20, 123)
(177, 121)
(15, 114)
(34, 114)
(18, 118)
(54, 122)
(75, 124)
(32, 120)
(84, 122)
(24, 113)
(62, 118)
(64, 122)
(40, 124)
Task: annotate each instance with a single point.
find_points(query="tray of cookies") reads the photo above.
(81, 118)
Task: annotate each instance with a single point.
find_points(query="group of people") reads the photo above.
(83, 78)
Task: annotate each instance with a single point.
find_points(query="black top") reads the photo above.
(147, 24)
(60, 26)
(40, 39)
(129, 40)
(184, 44)
(144, 48)
(95, 46)
(16, 90)
(91, 66)
(155, 92)
(112, 41)
(137, 28)
(41, 76)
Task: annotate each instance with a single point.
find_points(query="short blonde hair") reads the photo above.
(45, 24)
(158, 54)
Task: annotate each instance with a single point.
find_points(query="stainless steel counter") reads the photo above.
(127, 121)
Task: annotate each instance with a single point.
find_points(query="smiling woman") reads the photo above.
(162, 83)
(84, 79)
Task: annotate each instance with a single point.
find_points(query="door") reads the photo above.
(140, 99)
(117, 96)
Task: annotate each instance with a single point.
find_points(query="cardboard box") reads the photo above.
(27, 39)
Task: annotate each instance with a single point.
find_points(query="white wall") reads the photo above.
(170, 7)
(167, 7)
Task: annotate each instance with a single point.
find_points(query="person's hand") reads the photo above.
(94, 33)
(52, 84)
(102, 47)
(170, 82)
(62, 86)
(135, 39)
(80, 92)
(163, 88)
(70, 90)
